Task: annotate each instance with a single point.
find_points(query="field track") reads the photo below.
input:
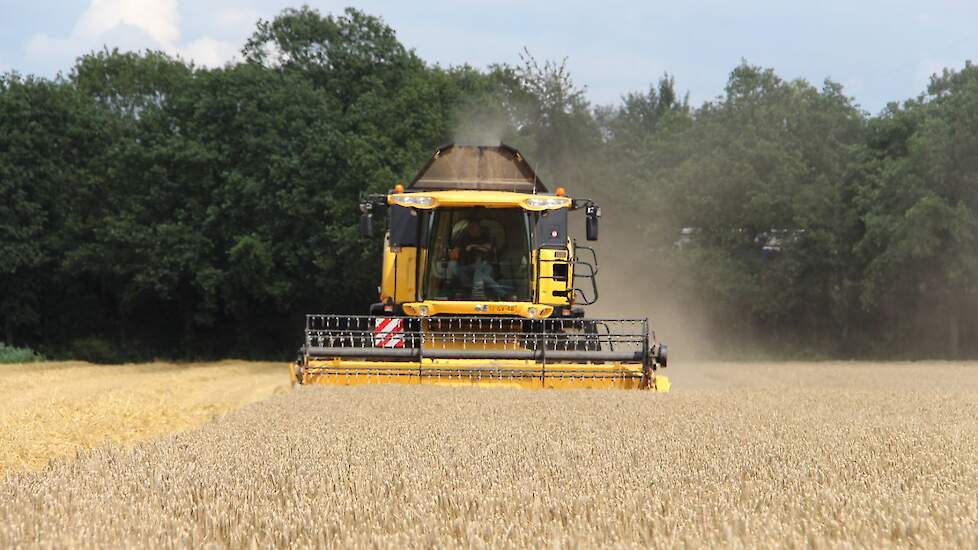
(795, 454)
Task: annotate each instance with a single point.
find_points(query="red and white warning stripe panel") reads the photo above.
(388, 332)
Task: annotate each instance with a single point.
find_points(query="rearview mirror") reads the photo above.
(366, 225)
(591, 224)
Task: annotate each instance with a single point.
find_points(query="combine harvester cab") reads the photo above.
(481, 284)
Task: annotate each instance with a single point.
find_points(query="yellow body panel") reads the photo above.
(399, 274)
(406, 273)
(549, 258)
(463, 372)
(451, 307)
(487, 199)
(387, 279)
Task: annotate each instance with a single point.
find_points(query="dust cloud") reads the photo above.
(474, 134)
(481, 124)
(634, 281)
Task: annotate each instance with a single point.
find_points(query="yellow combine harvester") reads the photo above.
(481, 284)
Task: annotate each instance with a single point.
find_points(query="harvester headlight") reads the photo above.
(412, 200)
(547, 202)
(532, 312)
(423, 311)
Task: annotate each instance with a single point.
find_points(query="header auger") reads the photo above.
(481, 285)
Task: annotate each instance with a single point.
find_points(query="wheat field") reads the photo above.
(784, 455)
(50, 410)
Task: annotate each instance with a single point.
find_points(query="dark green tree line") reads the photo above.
(149, 207)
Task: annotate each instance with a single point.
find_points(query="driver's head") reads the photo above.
(474, 228)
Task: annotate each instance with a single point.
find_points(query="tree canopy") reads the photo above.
(150, 207)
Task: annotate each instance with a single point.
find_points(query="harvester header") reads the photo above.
(481, 283)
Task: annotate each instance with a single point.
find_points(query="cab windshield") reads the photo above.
(478, 254)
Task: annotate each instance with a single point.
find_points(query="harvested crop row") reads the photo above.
(49, 410)
(785, 462)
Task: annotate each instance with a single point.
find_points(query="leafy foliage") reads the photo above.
(11, 354)
(152, 208)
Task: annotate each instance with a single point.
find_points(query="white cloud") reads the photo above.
(208, 51)
(122, 36)
(157, 18)
(136, 25)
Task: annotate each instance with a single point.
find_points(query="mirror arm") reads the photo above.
(374, 200)
(577, 204)
(591, 208)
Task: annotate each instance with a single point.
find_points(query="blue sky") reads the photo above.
(880, 51)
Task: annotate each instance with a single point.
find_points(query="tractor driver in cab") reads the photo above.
(472, 254)
(473, 245)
